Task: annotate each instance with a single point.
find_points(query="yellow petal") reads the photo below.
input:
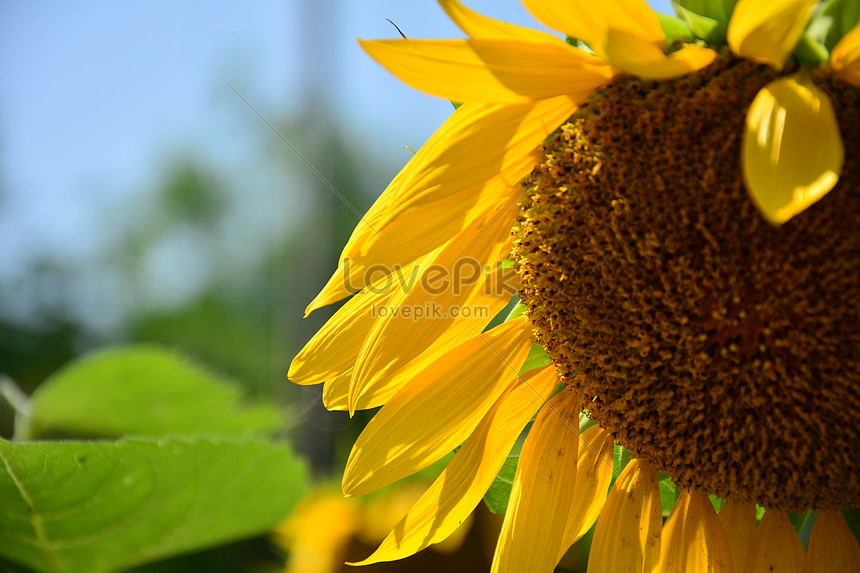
(468, 168)
(438, 409)
(693, 539)
(479, 26)
(591, 21)
(738, 521)
(333, 349)
(644, 59)
(767, 32)
(784, 172)
(776, 546)
(543, 488)
(832, 546)
(450, 302)
(627, 537)
(593, 476)
(845, 57)
(462, 484)
(491, 70)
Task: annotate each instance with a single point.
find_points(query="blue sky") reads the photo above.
(97, 96)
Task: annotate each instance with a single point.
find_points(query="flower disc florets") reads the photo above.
(719, 346)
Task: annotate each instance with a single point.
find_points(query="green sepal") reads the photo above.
(852, 518)
(798, 519)
(675, 29)
(668, 493)
(810, 52)
(833, 20)
(517, 312)
(620, 458)
(707, 19)
(499, 494)
(537, 358)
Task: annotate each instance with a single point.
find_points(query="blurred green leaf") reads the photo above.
(499, 493)
(833, 20)
(708, 19)
(675, 29)
(144, 391)
(103, 506)
(852, 517)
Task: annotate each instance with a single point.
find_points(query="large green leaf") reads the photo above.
(103, 506)
(143, 391)
(499, 493)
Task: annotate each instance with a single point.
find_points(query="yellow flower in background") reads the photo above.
(678, 218)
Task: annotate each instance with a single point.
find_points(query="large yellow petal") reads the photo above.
(452, 301)
(593, 476)
(333, 349)
(543, 491)
(832, 546)
(469, 167)
(479, 26)
(462, 484)
(767, 32)
(591, 21)
(627, 537)
(693, 539)
(491, 70)
(785, 173)
(438, 409)
(738, 521)
(845, 57)
(645, 60)
(776, 547)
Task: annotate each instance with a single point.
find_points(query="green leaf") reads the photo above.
(668, 493)
(833, 20)
(104, 506)
(708, 19)
(809, 52)
(675, 29)
(517, 312)
(143, 391)
(499, 493)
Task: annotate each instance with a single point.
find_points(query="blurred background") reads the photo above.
(186, 173)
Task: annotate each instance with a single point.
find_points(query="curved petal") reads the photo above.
(491, 70)
(462, 484)
(543, 489)
(783, 172)
(767, 32)
(451, 299)
(469, 167)
(738, 521)
(845, 57)
(644, 59)
(591, 21)
(593, 476)
(832, 546)
(479, 26)
(776, 546)
(627, 537)
(438, 409)
(693, 538)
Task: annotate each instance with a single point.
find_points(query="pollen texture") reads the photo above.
(722, 348)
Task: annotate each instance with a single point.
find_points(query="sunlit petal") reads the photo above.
(491, 70)
(645, 60)
(693, 539)
(462, 484)
(783, 172)
(845, 57)
(470, 167)
(627, 537)
(479, 26)
(543, 491)
(438, 409)
(767, 32)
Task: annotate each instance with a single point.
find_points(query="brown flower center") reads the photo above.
(721, 348)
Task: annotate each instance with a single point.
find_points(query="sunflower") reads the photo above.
(673, 204)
